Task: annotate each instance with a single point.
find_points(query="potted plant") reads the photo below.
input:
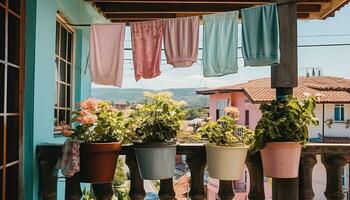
(100, 128)
(281, 132)
(329, 122)
(155, 124)
(227, 146)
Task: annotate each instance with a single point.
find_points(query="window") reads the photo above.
(64, 74)
(339, 112)
(246, 121)
(221, 104)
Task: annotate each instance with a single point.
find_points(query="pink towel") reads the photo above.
(181, 41)
(146, 48)
(107, 53)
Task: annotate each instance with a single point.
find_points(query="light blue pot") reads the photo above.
(156, 160)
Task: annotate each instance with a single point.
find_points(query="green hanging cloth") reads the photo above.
(220, 43)
(260, 36)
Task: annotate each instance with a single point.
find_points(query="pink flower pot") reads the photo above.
(281, 159)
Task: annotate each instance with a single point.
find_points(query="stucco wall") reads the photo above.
(40, 75)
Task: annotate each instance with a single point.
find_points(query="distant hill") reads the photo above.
(136, 95)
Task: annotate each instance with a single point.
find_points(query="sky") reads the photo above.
(333, 61)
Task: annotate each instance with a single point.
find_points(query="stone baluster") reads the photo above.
(307, 163)
(47, 156)
(137, 191)
(256, 176)
(226, 190)
(334, 165)
(73, 190)
(103, 191)
(166, 191)
(197, 162)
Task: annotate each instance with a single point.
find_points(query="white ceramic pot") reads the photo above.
(226, 163)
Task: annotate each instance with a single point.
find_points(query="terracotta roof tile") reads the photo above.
(331, 89)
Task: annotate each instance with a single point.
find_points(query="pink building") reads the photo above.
(334, 104)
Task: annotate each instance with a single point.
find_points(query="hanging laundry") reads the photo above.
(107, 53)
(181, 41)
(220, 43)
(146, 39)
(260, 36)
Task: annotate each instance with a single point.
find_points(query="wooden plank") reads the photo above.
(285, 75)
(207, 1)
(330, 8)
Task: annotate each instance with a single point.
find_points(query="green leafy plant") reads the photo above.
(329, 122)
(157, 119)
(97, 121)
(285, 120)
(225, 131)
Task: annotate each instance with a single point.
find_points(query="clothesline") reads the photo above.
(260, 44)
(201, 16)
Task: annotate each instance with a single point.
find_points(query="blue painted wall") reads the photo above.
(40, 75)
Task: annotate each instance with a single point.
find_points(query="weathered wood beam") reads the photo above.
(285, 75)
(206, 1)
(329, 9)
(128, 8)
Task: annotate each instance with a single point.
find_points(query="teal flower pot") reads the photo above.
(156, 160)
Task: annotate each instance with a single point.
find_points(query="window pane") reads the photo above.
(57, 95)
(62, 117)
(336, 113)
(12, 90)
(12, 182)
(57, 39)
(68, 116)
(2, 33)
(15, 6)
(69, 56)
(342, 113)
(62, 71)
(69, 69)
(2, 85)
(12, 138)
(13, 39)
(56, 117)
(1, 140)
(62, 101)
(68, 97)
(63, 43)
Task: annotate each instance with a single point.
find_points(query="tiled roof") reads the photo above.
(331, 89)
(181, 187)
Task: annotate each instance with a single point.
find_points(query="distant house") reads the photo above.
(332, 110)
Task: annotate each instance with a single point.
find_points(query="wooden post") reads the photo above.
(334, 165)
(285, 75)
(166, 191)
(226, 190)
(197, 162)
(256, 176)
(307, 163)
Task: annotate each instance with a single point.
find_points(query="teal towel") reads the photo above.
(220, 43)
(260, 36)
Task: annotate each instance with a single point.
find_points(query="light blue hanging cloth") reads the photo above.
(260, 36)
(220, 43)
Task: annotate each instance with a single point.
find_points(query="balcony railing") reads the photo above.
(283, 189)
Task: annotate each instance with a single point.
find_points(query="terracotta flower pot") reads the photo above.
(156, 160)
(226, 163)
(281, 159)
(98, 162)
